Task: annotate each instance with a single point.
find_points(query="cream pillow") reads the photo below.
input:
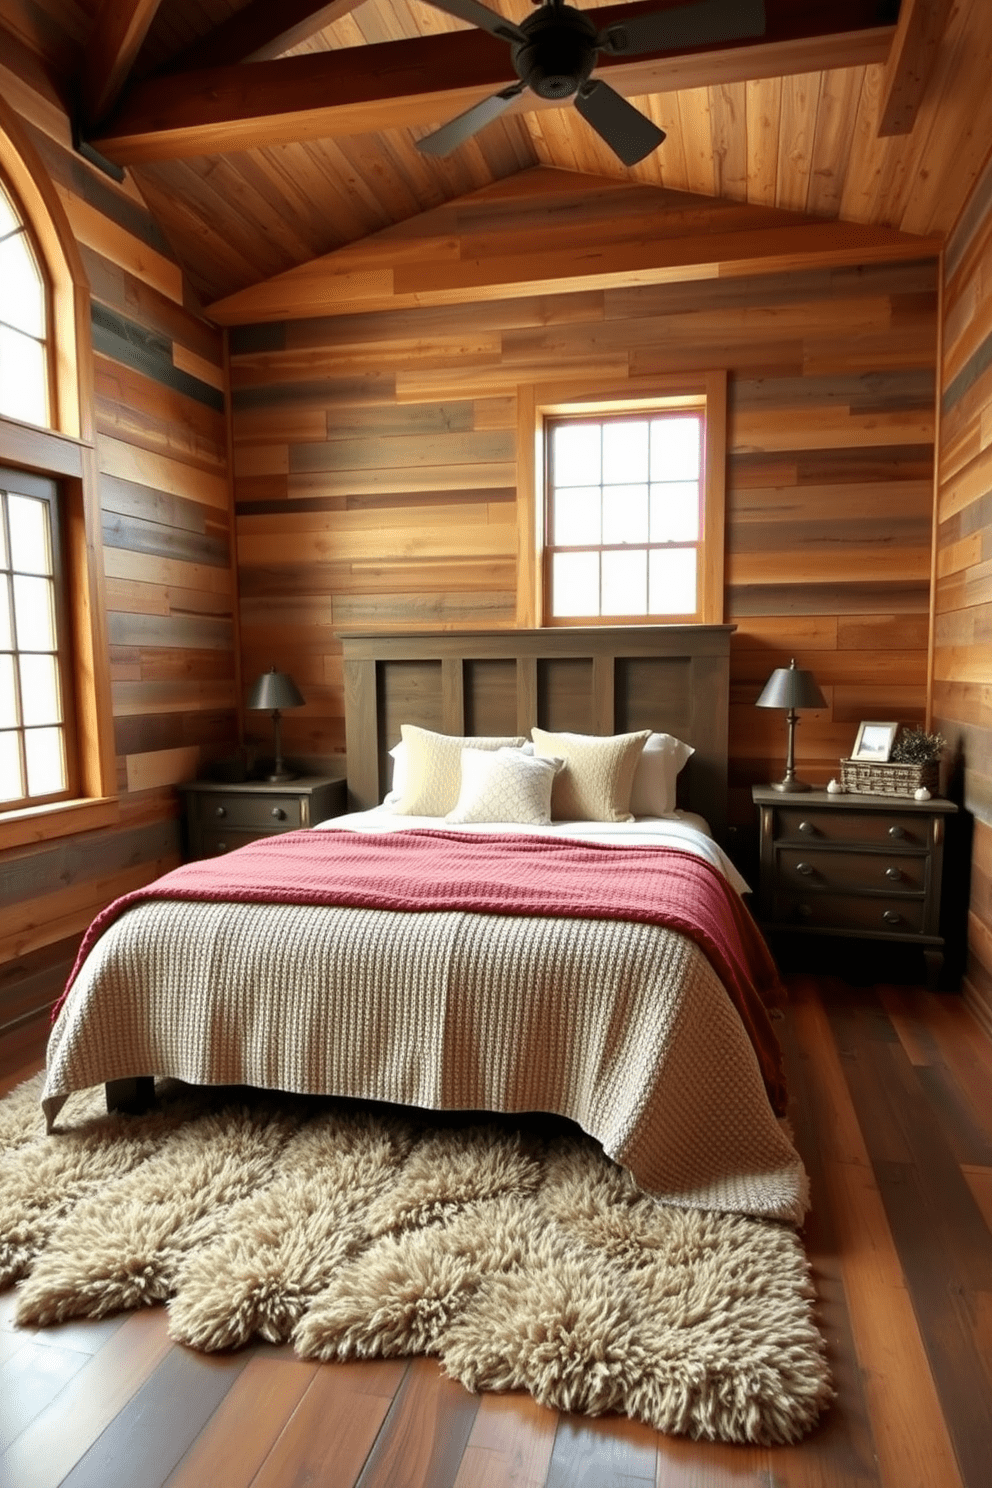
(598, 773)
(653, 791)
(505, 786)
(434, 769)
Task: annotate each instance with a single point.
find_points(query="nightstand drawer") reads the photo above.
(847, 871)
(263, 812)
(904, 829)
(215, 841)
(840, 912)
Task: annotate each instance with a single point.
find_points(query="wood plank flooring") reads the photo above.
(891, 1101)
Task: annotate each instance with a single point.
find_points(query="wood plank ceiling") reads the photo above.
(250, 171)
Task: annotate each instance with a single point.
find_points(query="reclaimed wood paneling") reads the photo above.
(378, 465)
(962, 630)
(162, 456)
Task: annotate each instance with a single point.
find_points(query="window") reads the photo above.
(34, 680)
(24, 374)
(57, 768)
(624, 517)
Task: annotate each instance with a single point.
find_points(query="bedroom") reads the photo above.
(405, 512)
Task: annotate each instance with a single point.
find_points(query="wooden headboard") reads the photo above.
(596, 680)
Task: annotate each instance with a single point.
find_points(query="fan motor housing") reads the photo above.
(559, 53)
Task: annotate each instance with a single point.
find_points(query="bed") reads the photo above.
(601, 970)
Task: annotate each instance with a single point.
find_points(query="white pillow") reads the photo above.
(434, 769)
(653, 790)
(505, 786)
(598, 773)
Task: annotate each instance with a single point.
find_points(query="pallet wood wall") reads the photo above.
(376, 470)
(962, 661)
(162, 452)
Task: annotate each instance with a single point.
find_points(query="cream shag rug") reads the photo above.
(518, 1255)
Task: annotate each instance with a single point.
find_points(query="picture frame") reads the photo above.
(874, 742)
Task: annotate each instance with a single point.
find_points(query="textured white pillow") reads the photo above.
(598, 773)
(434, 769)
(653, 791)
(505, 786)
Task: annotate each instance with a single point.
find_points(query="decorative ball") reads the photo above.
(835, 788)
(922, 794)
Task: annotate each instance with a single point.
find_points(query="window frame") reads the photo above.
(538, 404)
(65, 453)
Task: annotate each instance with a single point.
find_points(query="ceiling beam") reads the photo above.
(260, 31)
(398, 84)
(911, 62)
(114, 43)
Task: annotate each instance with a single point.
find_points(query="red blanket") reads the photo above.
(511, 875)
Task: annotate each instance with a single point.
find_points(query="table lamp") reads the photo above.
(272, 692)
(790, 687)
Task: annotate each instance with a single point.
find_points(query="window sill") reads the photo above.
(42, 823)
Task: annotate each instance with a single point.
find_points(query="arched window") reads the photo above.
(57, 771)
(24, 321)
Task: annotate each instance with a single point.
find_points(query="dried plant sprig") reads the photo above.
(916, 747)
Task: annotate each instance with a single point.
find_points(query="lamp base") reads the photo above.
(279, 775)
(789, 787)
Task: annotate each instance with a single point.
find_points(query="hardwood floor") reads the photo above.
(892, 1108)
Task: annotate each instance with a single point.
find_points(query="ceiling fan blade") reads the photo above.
(629, 134)
(686, 26)
(482, 16)
(463, 126)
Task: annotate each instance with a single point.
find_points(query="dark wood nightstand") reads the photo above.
(221, 816)
(865, 866)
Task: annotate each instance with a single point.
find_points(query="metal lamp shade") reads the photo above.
(273, 691)
(790, 688)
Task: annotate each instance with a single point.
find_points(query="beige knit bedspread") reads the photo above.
(623, 1027)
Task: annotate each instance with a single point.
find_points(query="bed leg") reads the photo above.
(131, 1097)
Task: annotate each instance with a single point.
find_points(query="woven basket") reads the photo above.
(864, 778)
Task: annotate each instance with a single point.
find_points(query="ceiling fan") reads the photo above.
(555, 50)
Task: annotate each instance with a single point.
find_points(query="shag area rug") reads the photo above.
(517, 1254)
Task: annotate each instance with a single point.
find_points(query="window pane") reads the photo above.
(577, 517)
(625, 583)
(40, 690)
(625, 514)
(23, 378)
(6, 639)
(3, 536)
(11, 780)
(675, 512)
(672, 582)
(625, 451)
(575, 584)
(8, 697)
(22, 289)
(8, 217)
(34, 613)
(46, 761)
(675, 449)
(576, 459)
(30, 547)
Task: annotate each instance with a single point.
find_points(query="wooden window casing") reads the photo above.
(539, 407)
(64, 453)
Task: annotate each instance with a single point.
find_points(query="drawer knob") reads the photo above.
(806, 869)
(893, 873)
(278, 813)
(804, 911)
(222, 847)
(897, 832)
(891, 916)
(220, 811)
(807, 828)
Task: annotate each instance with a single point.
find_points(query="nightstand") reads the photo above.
(852, 865)
(221, 816)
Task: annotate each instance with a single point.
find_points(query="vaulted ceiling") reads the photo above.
(267, 133)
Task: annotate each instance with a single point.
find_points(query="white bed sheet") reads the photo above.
(682, 830)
